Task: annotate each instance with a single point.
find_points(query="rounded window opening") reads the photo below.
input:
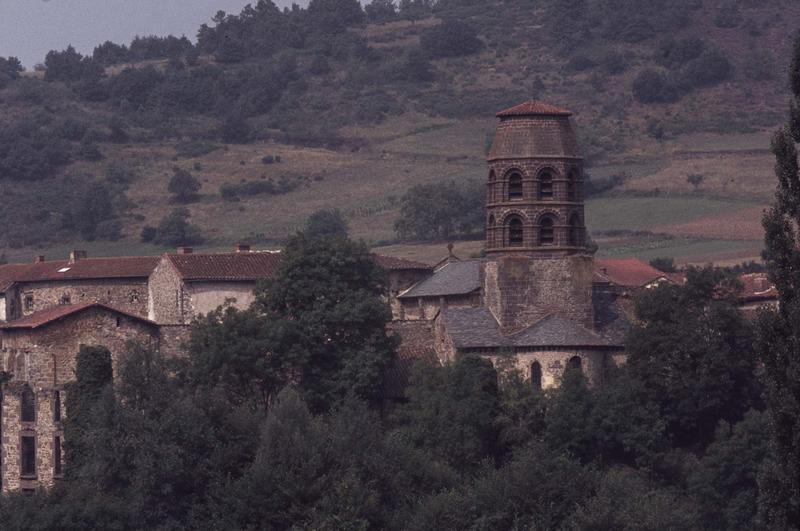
(575, 363)
(516, 233)
(546, 185)
(515, 187)
(575, 231)
(572, 186)
(536, 375)
(547, 234)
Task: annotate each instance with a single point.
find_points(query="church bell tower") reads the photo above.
(538, 262)
(534, 203)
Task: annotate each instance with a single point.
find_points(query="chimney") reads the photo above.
(185, 250)
(76, 255)
(39, 259)
(242, 248)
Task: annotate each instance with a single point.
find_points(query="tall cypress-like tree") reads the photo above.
(779, 330)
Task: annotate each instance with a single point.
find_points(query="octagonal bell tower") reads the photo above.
(537, 260)
(534, 202)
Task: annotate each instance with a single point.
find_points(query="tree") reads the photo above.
(431, 211)
(183, 186)
(693, 353)
(652, 86)
(326, 301)
(69, 65)
(381, 11)
(451, 38)
(326, 223)
(665, 264)
(695, 179)
(175, 229)
(334, 16)
(568, 417)
(451, 411)
(778, 332)
(93, 378)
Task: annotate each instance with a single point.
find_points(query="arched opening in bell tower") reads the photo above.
(547, 233)
(516, 232)
(572, 185)
(515, 187)
(575, 231)
(546, 185)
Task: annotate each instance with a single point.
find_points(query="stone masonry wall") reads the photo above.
(519, 291)
(554, 362)
(126, 294)
(206, 297)
(44, 358)
(167, 300)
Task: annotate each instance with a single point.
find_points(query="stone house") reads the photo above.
(38, 350)
(120, 282)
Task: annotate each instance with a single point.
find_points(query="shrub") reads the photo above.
(195, 148)
(651, 86)
(183, 186)
(709, 68)
(89, 151)
(235, 130)
(451, 38)
(148, 234)
(673, 53)
(667, 265)
(175, 229)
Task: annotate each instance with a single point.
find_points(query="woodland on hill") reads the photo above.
(90, 145)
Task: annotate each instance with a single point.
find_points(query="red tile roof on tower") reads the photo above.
(628, 272)
(82, 269)
(534, 108)
(246, 266)
(49, 315)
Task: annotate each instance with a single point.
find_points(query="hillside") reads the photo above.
(362, 113)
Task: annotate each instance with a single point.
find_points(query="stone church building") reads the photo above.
(537, 298)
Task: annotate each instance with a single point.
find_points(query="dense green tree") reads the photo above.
(183, 186)
(778, 338)
(443, 210)
(452, 411)
(326, 300)
(693, 353)
(724, 480)
(652, 86)
(381, 11)
(665, 264)
(175, 229)
(451, 38)
(69, 65)
(568, 416)
(326, 223)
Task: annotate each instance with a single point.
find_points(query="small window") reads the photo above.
(65, 299)
(546, 231)
(57, 456)
(515, 187)
(27, 456)
(536, 375)
(27, 404)
(546, 185)
(516, 234)
(574, 363)
(27, 302)
(57, 406)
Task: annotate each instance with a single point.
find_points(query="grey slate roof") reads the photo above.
(477, 328)
(455, 278)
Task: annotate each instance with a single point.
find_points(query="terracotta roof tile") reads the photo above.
(44, 317)
(83, 269)
(534, 108)
(757, 287)
(628, 272)
(226, 266)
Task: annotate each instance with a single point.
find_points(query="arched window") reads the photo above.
(516, 233)
(27, 401)
(575, 231)
(547, 235)
(536, 375)
(515, 187)
(546, 185)
(490, 230)
(574, 363)
(572, 186)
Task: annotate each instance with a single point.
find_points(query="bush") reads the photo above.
(235, 130)
(148, 234)
(451, 38)
(183, 186)
(667, 265)
(673, 53)
(651, 86)
(233, 191)
(195, 148)
(709, 68)
(175, 229)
